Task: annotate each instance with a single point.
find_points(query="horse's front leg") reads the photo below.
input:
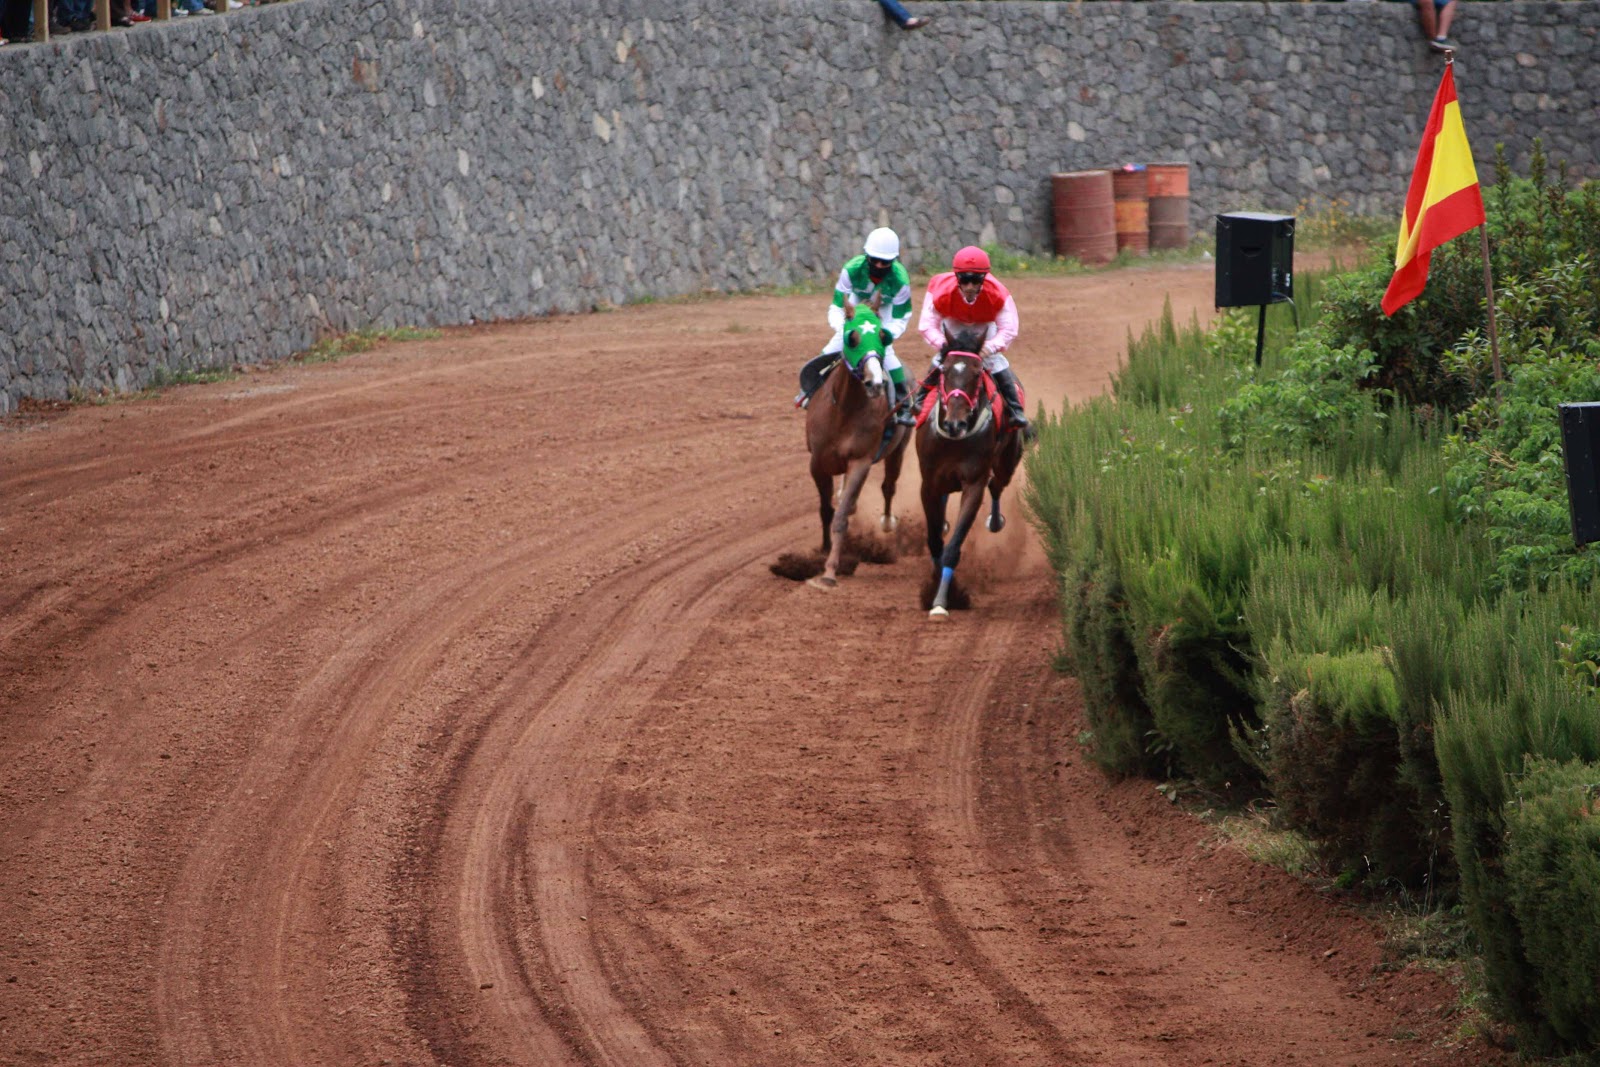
(971, 500)
(853, 480)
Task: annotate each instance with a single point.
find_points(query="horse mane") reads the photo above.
(962, 339)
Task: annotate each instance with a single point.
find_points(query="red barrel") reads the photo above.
(1169, 205)
(1168, 179)
(1130, 187)
(1085, 215)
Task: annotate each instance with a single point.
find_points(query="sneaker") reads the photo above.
(202, 11)
(916, 23)
(1442, 44)
(138, 16)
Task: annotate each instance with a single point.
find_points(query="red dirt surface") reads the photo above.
(438, 706)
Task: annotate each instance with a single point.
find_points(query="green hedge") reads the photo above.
(1344, 580)
(1552, 866)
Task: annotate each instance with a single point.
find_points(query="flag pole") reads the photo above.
(1488, 275)
(1488, 292)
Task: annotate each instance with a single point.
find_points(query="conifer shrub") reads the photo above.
(1335, 766)
(1552, 870)
(1103, 657)
(1514, 701)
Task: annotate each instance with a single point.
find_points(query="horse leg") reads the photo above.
(891, 477)
(971, 500)
(933, 503)
(1007, 457)
(996, 521)
(851, 488)
(825, 496)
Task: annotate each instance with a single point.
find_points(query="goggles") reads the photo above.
(970, 277)
(879, 265)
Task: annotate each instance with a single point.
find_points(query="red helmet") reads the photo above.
(971, 258)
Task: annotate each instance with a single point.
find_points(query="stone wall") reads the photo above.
(224, 190)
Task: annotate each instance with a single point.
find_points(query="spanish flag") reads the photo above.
(1444, 200)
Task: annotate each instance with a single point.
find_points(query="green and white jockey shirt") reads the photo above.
(894, 295)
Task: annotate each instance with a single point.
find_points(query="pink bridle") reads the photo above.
(945, 394)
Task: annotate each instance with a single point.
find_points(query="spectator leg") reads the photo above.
(896, 11)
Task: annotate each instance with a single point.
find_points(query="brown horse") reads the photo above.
(849, 427)
(962, 446)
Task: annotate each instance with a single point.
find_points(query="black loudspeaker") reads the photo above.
(1255, 259)
(1580, 445)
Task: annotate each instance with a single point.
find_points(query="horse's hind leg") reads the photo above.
(996, 521)
(853, 480)
(1005, 467)
(825, 508)
(891, 478)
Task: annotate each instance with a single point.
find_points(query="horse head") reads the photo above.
(963, 393)
(863, 346)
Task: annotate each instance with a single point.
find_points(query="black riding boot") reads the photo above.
(1006, 382)
(811, 376)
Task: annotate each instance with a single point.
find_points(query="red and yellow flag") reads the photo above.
(1444, 200)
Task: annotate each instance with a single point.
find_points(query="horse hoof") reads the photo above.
(889, 524)
(938, 614)
(995, 523)
(822, 581)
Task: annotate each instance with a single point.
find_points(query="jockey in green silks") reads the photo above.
(876, 272)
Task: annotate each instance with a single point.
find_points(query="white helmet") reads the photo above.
(883, 243)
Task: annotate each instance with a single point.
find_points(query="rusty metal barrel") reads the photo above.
(1085, 215)
(1169, 205)
(1130, 188)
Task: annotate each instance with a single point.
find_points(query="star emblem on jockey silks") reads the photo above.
(869, 327)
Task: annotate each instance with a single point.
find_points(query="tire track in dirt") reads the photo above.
(531, 790)
(330, 729)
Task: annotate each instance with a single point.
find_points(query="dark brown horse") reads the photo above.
(962, 447)
(849, 427)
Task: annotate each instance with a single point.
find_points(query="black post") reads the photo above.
(1261, 333)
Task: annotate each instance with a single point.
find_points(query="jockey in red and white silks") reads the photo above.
(987, 303)
(968, 295)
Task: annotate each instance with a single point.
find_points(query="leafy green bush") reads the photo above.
(1534, 223)
(1552, 868)
(1507, 467)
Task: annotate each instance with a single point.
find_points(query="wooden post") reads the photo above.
(102, 14)
(41, 20)
(163, 9)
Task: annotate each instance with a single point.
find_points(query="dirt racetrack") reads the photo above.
(437, 706)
